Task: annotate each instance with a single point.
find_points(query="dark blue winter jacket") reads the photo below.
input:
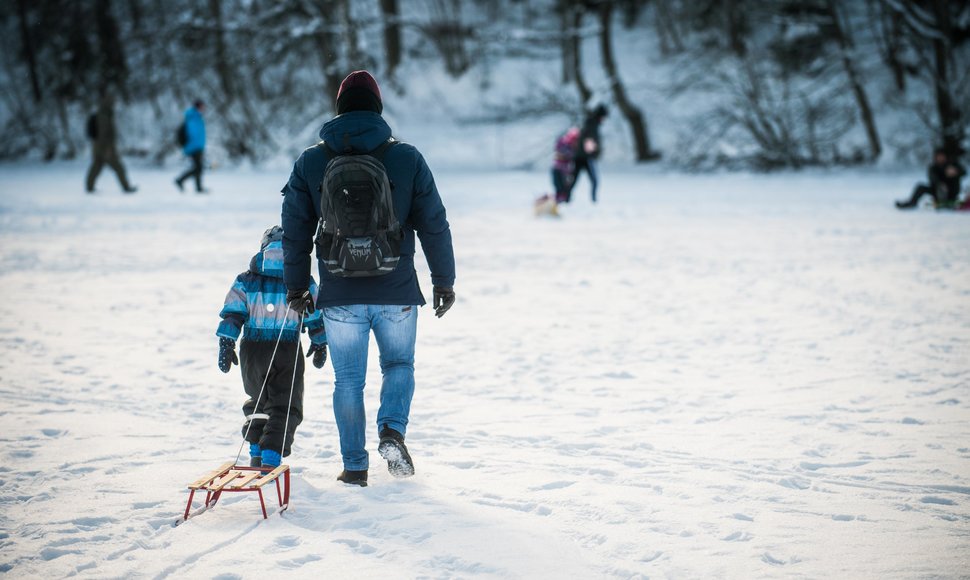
(195, 130)
(416, 204)
(256, 304)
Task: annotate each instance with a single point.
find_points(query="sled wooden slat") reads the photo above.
(204, 480)
(218, 484)
(271, 476)
(242, 479)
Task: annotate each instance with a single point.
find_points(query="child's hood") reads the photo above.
(269, 261)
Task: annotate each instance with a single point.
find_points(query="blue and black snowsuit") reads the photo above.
(255, 306)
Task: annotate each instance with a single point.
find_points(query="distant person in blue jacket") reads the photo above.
(194, 146)
(256, 307)
(386, 305)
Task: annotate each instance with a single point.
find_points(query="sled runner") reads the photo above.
(230, 478)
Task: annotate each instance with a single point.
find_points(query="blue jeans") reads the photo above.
(348, 336)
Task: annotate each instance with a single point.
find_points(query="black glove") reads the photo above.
(300, 301)
(443, 299)
(227, 354)
(319, 354)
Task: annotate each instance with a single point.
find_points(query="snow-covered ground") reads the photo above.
(717, 376)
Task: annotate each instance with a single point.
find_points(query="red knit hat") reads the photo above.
(359, 92)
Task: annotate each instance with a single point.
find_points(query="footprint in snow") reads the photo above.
(937, 500)
(769, 559)
(737, 537)
(357, 546)
(283, 543)
(795, 483)
(298, 562)
(553, 485)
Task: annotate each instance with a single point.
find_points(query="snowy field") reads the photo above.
(717, 376)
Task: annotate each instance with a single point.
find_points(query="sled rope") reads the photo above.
(286, 425)
(262, 389)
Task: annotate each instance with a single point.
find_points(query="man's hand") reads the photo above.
(227, 354)
(444, 298)
(319, 354)
(300, 301)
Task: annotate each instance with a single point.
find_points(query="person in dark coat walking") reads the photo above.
(588, 151)
(944, 182)
(386, 305)
(104, 151)
(194, 147)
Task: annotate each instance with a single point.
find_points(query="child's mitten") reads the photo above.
(227, 354)
(319, 354)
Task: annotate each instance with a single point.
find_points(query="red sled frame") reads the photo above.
(231, 478)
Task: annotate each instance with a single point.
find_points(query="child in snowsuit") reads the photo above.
(563, 165)
(256, 305)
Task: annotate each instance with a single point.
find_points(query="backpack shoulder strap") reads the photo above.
(331, 154)
(378, 153)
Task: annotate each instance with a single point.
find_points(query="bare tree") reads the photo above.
(392, 35)
(846, 47)
(638, 125)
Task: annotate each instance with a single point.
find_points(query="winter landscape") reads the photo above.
(742, 361)
(698, 377)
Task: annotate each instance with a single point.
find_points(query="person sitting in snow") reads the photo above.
(564, 164)
(944, 175)
(256, 305)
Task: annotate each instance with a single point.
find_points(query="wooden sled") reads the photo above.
(546, 206)
(231, 478)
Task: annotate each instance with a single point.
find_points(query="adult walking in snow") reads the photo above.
(104, 151)
(944, 176)
(367, 277)
(588, 151)
(192, 139)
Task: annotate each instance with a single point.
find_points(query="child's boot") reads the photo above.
(255, 455)
(270, 458)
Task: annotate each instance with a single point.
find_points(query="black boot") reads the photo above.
(353, 477)
(393, 449)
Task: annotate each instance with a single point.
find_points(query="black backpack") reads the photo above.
(182, 135)
(359, 234)
(91, 129)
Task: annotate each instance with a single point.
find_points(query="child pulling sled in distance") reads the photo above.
(563, 169)
(256, 306)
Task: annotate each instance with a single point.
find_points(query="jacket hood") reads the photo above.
(268, 262)
(360, 131)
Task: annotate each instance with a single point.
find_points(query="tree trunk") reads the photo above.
(949, 112)
(865, 110)
(565, 42)
(327, 50)
(392, 35)
(634, 117)
(576, 51)
(29, 53)
(734, 23)
(113, 70)
(223, 65)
